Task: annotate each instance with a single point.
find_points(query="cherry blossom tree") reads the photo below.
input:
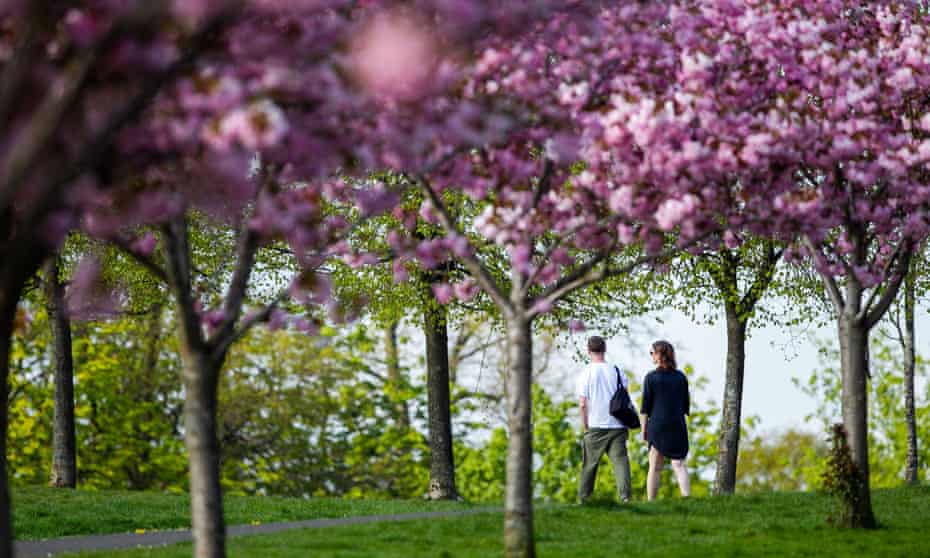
(778, 119)
(72, 76)
(313, 124)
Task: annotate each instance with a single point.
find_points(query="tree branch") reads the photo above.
(177, 256)
(872, 315)
(471, 263)
(148, 263)
(829, 283)
(95, 147)
(222, 344)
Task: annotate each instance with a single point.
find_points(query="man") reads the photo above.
(603, 433)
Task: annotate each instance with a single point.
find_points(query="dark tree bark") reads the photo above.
(9, 296)
(518, 504)
(910, 413)
(728, 449)
(64, 444)
(21, 258)
(442, 465)
(394, 375)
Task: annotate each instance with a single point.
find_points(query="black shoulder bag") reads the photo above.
(621, 406)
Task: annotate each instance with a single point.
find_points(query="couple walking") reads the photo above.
(665, 403)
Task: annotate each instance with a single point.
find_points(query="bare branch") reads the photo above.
(471, 263)
(586, 275)
(148, 263)
(177, 256)
(545, 182)
(871, 315)
(828, 282)
(222, 344)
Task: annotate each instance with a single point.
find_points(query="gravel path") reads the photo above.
(55, 547)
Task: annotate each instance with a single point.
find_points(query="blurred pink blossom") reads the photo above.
(394, 56)
(443, 292)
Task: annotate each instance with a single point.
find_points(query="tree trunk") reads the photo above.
(8, 300)
(854, 343)
(401, 411)
(728, 448)
(64, 445)
(442, 466)
(518, 507)
(910, 414)
(21, 258)
(201, 376)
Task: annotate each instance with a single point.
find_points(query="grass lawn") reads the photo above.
(42, 513)
(776, 525)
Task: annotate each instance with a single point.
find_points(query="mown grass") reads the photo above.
(42, 513)
(773, 525)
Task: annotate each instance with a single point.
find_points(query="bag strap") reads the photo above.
(619, 379)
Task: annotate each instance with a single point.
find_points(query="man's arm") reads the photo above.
(584, 413)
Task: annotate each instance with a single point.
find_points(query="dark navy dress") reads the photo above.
(666, 402)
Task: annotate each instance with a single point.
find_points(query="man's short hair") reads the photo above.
(596, 344)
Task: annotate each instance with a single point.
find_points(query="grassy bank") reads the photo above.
(41, 513)
(757, 525)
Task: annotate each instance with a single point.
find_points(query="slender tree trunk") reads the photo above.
(64, 445)
(728, 447)
(201, 377)
(8, 300)
(854, 343)
(442, 466)
(910, 414)
(518, 506)
(401, 411)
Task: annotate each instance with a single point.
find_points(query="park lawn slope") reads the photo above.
(774, 525)
(43, 513)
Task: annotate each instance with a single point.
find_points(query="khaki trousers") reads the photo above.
(595, 443)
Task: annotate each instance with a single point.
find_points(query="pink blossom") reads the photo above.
(277, 319)
(399, 268)
(576, 326)
(672, 212)
(257, 126)
(145, 245)
(375, 201)
(465, 290)
(394, 56)
(214, 319)
(428, 214)
(521, 257)
(443, 292)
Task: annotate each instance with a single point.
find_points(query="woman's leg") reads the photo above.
(681, 473)
(655, 473)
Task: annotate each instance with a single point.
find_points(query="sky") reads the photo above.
(774, 356)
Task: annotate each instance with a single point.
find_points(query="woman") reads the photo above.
(665, 404)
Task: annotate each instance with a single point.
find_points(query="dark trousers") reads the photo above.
(595, 443)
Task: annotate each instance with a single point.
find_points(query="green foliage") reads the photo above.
(887, 427)
(791, 460)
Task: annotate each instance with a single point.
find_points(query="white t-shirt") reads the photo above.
(597, 383)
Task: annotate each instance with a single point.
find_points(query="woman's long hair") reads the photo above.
(666, 354)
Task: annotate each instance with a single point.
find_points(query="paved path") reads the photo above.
(53, 547)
